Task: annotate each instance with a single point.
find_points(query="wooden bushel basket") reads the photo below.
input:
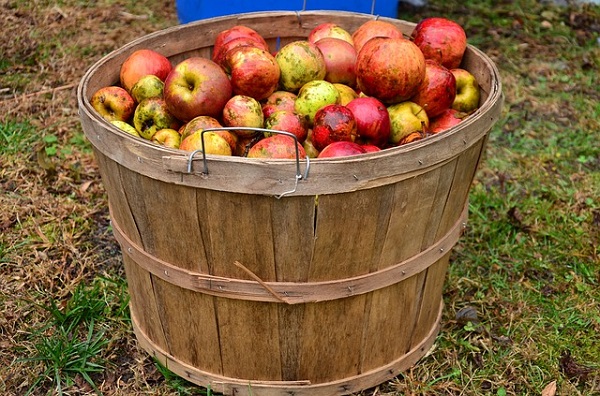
(332, 288)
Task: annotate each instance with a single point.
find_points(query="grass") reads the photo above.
(522, 292)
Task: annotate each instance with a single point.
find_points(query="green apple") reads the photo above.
(347, 93)
(467, 91)
(148, 86)
(300, 62)
(126, 127)
(312, 96)
(406, 118)
(152, 115)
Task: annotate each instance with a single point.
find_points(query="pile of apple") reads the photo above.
(338, 93)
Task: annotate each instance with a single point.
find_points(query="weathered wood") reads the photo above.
(330, 289)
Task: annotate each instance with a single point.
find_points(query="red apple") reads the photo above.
(467, 91)
(372, 120)
(374, 28)
(113, 103)
(243, 111)
(253, 72)
(442, 40)
(220, 53)
(278, 100)
(277, 146)
(391, 69)
(340, 60)
(300, 62)
(370, 148)
(234, 32)
(152, 115)
(141, 63)
(333, 123)
(446, 120)
(329, 29)
(196, 86)
(438, 89)
(341, 149)
(287, 121)
(406, 118)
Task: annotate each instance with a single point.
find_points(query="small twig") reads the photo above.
(42, 92)
(262, 283)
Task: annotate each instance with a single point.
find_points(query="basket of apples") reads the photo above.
(286, 188)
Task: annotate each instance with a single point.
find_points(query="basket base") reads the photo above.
(236, 386)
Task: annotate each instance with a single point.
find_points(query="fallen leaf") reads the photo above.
(550, 389)
(467, 314)
(572, 369)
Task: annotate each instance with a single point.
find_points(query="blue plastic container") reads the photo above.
(193, 10)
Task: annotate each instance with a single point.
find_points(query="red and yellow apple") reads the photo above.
(167, 137)
(329, 29)
(243, 111)
(234, 32)
(287, 121)
(220, 53)
(277, 146)
(209, 142)
(199, 123)
(253, 72)
(374, 28)
(340, 60)
(196, 86)
(390, 69)
(113, 103)
(278, 100)
(141, 63)
(341, 149)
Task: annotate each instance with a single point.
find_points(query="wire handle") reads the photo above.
(298, 176)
